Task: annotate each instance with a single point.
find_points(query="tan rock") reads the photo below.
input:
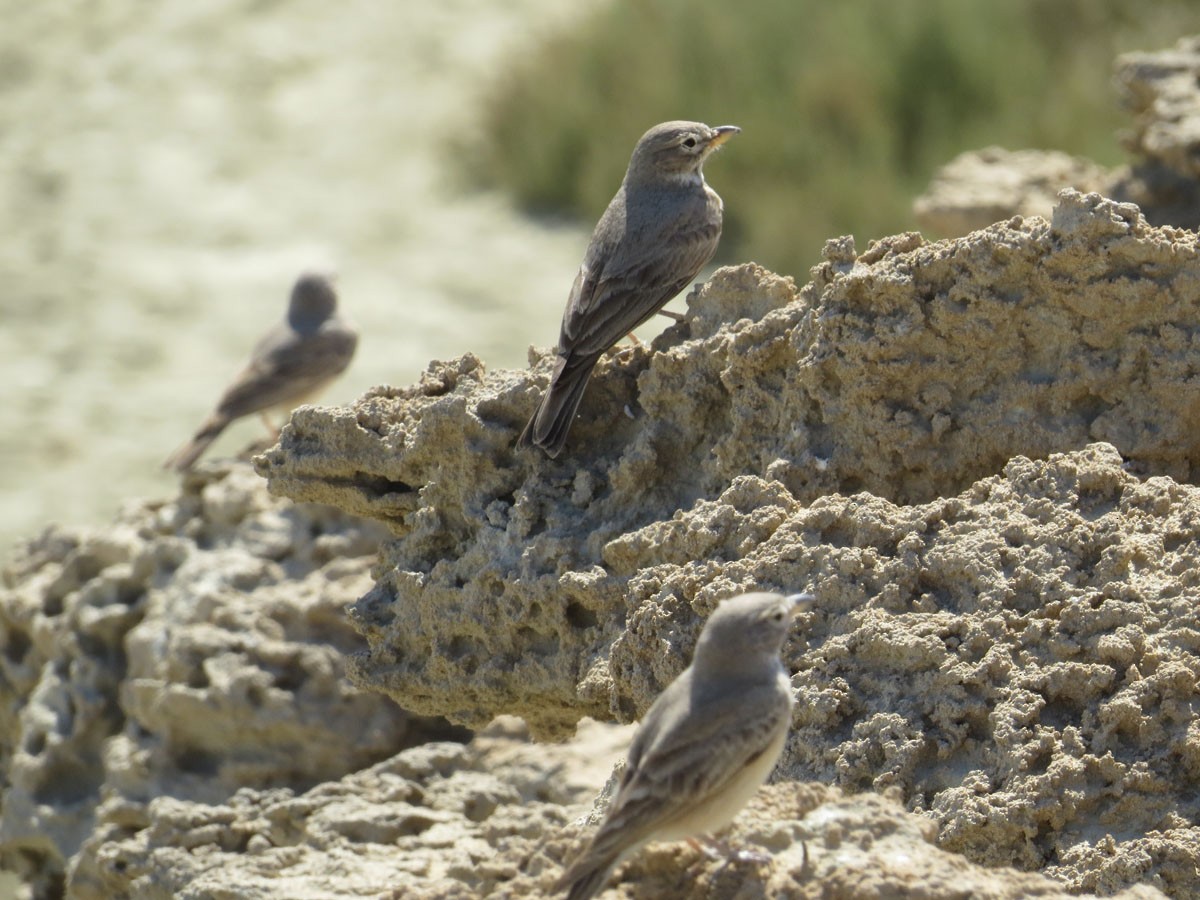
(491, 819)
(1014, 652)
(439, 820)
(193, 648)
(909, 372)
(804, 842)
(980, 187)
(1161, 91)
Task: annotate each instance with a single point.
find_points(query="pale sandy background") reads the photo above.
(165, 171)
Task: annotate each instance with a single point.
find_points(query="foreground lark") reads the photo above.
(706, 744)
(658, 232)
(292, 362)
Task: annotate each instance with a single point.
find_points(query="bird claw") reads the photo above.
(721, 850)
(626, 352)
(752, 856)
(274, 430)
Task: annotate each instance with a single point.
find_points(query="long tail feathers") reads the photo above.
(185, 457)
(550, 424)
(586, 876)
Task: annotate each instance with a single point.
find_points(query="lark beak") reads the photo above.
(801, 603)
(722, 133)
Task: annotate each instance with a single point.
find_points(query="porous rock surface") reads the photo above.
(980, 187)
(1160, 90)
(193, 648)
(803, 842)
(439, 820)
(1016, 653)
(491, 819)
(909, 371)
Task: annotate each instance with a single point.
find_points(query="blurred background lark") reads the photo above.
(166, 171)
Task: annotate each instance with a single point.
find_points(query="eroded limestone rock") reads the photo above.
(980, 187)
(1161, 91)
(1017, 653)
(814, 843)
(909, 372)
(492, 819)
(440, 820)
(1020, 660)
(193, 648)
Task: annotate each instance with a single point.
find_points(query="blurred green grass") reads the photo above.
(846, 108)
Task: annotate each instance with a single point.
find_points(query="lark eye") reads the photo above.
(777, 616)
(689, 142)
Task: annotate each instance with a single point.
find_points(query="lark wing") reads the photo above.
(686, 757)
(287, 366)
(624, 282)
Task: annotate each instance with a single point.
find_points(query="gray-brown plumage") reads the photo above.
(658, 232)
(706, 744)
(290, 364)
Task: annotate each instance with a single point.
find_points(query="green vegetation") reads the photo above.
(847, 108)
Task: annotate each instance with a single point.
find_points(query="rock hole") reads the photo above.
(54, 603)
(479, 809)
(580, 617)
(35, 742)
(16, 646)
(129, 593)
(536, 643)
(1173, 542)
(291, 677)
(838, 534)
(381, 486)
(65, 783)
(1060, 712)
(1040, 764)
(196, 762)
(255, 696)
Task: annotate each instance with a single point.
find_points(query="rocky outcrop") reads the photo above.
(1160, 90)
(909, 372)
(439, 820)
(805, 842)
(1015, 652)
(980, 187)
(976, 452)
(1017, 664)
(194, 648)
(490, 819)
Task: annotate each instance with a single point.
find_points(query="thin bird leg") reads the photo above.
(804, 860)
(722, 851)
(720, 848)
(637, 343)
(270, 425)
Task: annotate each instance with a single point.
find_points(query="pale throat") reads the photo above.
(686, 179)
